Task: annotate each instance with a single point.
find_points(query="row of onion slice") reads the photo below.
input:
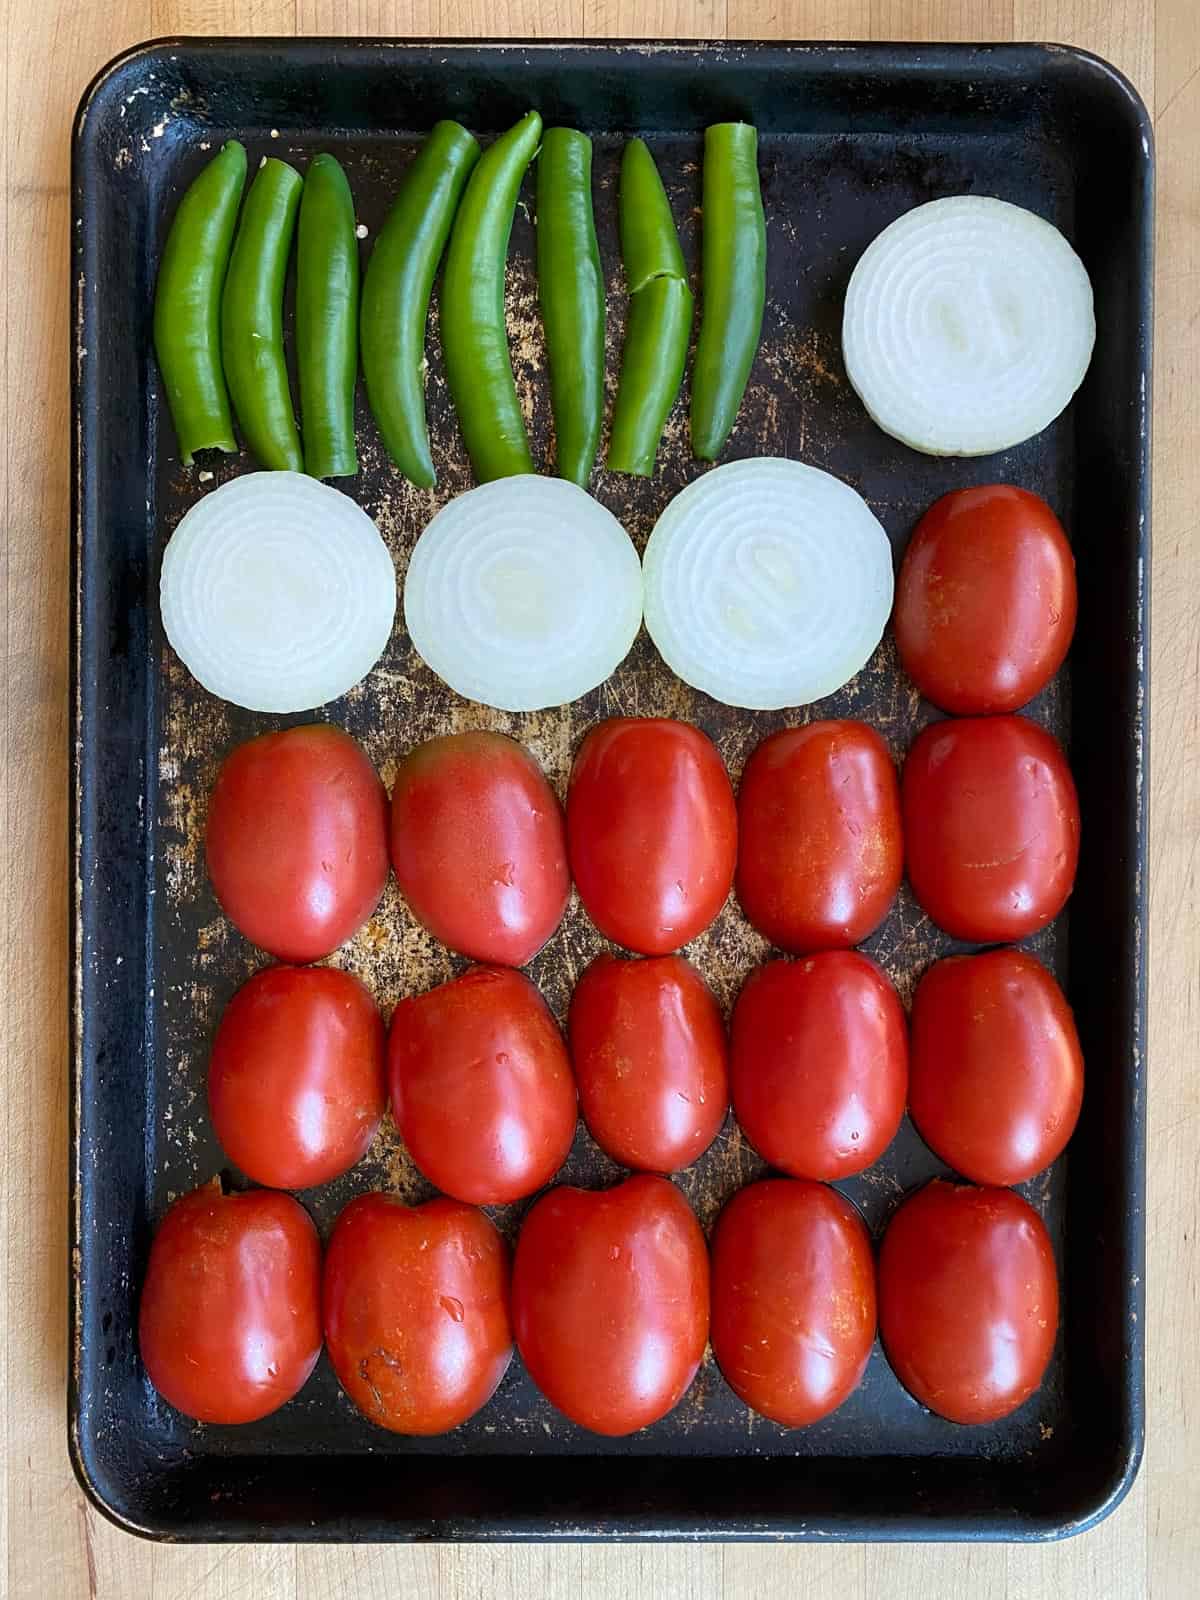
(766, 583)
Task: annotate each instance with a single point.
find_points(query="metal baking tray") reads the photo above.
(851, 136)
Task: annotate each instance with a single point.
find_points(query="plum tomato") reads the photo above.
(968, 1300)
(416, 1305)
(651, 1061)
(991, 826)
(296, 840)
(820, 853)
(481, 1086)
(610, 1301)
(996, 1075)
(296, 1077)
(651, 830)
(479, 846)
(985, 600)
(230, 1319)
(793, 1298)
(819, 1063)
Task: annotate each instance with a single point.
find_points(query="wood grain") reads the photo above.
(53, 1544)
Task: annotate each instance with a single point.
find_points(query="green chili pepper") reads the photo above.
(474, 336)
(252, 317)
(187, 304)
(733, 281)
(571, 292)
(327, 319)
(396, 290)
(659, 320)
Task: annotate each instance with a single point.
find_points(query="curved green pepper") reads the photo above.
(252, 317)
(733, 283)
(474, 335)
(659, 320)
(327, 319)
(571, 292)
(396, 291)
(187, 304)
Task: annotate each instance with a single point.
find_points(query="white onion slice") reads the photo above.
(768, 583)
(277, 592)
(968, 326)
(523, 593)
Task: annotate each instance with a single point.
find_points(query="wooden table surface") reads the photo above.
(57, 1547)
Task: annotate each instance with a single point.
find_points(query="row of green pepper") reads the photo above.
(218, 322)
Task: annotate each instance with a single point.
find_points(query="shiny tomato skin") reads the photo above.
(479, 846)
(296, 840)
(230, 1320)
(481, 1086)
(991, 826)
(793, 1298)
(651, 830)
(416, 1308)
(985, 600)
(651, 1060)
(968, 1300)
(820, 850)
(296, 1077)
(610, 1301)
(819, 1063)
(996, 1076)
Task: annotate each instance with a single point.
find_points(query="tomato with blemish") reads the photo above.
(651, 831)
(229, 1325)
(793, 1298)
(610, 1301)
(479, 846)
(820, 852)
(968, 1300)
(991, 826)
(416, 1308)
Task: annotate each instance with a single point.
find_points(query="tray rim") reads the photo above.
(907, 1527)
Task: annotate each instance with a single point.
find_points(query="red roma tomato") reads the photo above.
(652, 831)
(819, 1063)
(997, 1073)
(481, 1086)
(416, 1311)
(297, 840)
(991, 826)
(230, 1320)
(296, 1081)
(968, 1300)
(610, 1301)
(649, 1052)
(819, 843)
(793, 1299)
(985, 600)
(479, 846)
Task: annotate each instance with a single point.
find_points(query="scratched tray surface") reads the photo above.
(847, 143)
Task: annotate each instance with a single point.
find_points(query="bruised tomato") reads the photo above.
(481, 1086)
(819, 840)
(649, 1053)
(297, 840)
(416, 1302)
(819, 1063)
(479, 846)
(296, 1080)
(991, 826)
(652, 831)
(985, 600)
(230, 1320)
(793, 1298)
(996, 1077)
(968, 1300)
(610, 1301)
